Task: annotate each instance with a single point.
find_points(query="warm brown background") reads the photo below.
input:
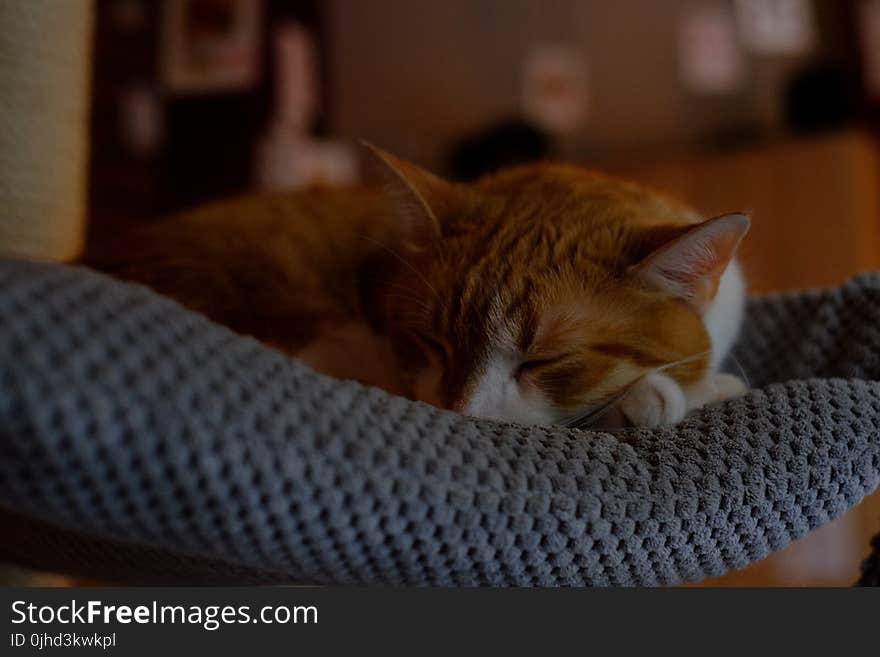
(414, 75)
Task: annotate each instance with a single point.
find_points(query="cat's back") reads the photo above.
(271, 265)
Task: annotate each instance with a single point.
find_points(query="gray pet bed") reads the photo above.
(142, 443)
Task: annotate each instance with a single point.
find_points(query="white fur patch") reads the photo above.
(498, 396)
(724, 315)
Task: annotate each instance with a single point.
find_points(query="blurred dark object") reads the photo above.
(871, 566)
(734, 136)
(209, 146)
(821, 96)
(501, 145)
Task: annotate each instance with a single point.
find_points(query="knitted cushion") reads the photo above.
(131, 427)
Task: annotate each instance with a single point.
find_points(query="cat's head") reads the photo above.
(539, 293)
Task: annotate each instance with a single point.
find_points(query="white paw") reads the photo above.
(716, 387)
(654, 401)
(728, 386)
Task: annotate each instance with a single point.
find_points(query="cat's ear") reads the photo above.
(416, 195)
(690, 265)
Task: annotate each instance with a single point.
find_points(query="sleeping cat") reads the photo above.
(541, 294)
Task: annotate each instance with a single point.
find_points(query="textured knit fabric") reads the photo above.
(138, 435)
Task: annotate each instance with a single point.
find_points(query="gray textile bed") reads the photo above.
(139, 442)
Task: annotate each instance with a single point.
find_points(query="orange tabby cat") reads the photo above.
(542, 294)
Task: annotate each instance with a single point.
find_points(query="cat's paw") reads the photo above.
(728, 386)
(654, 401)
(716, 387)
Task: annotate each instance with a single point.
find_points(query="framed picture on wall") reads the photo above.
(210, 46)
(710, 60)
(555, 90)
(777, 27)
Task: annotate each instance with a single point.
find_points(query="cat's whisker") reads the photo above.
(590, 416)
(402, 292)
(414, 315)
(682, 361)
(419, 303)
(584, 420)
(402, 260)
(739, 367)
(406, 292)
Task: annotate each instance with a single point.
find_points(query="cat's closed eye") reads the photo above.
(533, 366)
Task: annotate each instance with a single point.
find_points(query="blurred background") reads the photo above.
(768, 106)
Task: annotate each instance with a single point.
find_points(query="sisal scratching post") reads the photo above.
(45, 61)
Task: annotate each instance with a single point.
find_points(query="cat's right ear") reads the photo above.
(689, 266)
(416, 196)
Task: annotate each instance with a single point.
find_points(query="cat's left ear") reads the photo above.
(416, 195)
(690, 266)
